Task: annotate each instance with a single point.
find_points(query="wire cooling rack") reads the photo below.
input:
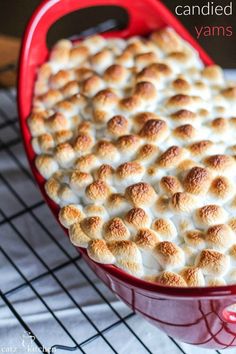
(104, 324)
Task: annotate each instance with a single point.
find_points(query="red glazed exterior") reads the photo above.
(192, 315)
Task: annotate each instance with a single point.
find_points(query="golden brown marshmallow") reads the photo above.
(165, 228)
(128, 143)
(220, 237)
(154, 130)
(137, 218)
(143, 117)
(92, 85)
(220, 163)
(146, 239)
(185, 132)
(232, 224)
(171, 157)
(106, 150)
(141, 194)
(129, 169)
(78, 236)
(83, 143)
(146, 90)
(98, 191)
(220, 125)
(57, 122)
(52, 187)
(167, 40)
(46, 165)
(181, 101)
(105, 99)
(221, 188)
(193, 276)
(92, 226)
(170, 279)
(230, 93)
(170, 185)
(104, 172)
(195, 239)
(201, 148)
(116, 74)
(131, 104)
(213, 73)
(197, 181)
(184, 116)
(169, 255)
(212, 262)
(118, 126)
(210, 215)
(144, 59)
(183, 202)
(36, 123)
(80, 180)
(99, 252)
(115, 230)
(64, 154)
(86, 163)
(117, 203)
(78, 54)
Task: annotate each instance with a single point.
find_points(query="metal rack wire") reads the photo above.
(17, 204)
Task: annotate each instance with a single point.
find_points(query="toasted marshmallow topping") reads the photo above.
(136, 142)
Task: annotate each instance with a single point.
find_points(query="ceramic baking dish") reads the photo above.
(199, 316)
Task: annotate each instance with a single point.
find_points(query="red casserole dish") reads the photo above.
(193, 315)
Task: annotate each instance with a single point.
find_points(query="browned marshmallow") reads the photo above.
(201, 148)
(105, 99)
(165, 228)
(77, 236)
(221, 188)
(167, 40)
(185, 132)
(220, 163)
(230, 93)
(46, 165)
(193, 276)
(70, 214)
(171, 157)
(197, 181)
(154, 130)
(195, 239)
(137, 218)
(210, 215)
(141, 194)
(184, 116)
(99, 252)
(212, 262)
(116, 74)
(92, 226)
(115, 230)
(169, 255)
(170, 185)
(146, 90)
(220, 237)
(146, 239)
(183, 202)
(98, 191)
(118, 126)
(171, 279)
